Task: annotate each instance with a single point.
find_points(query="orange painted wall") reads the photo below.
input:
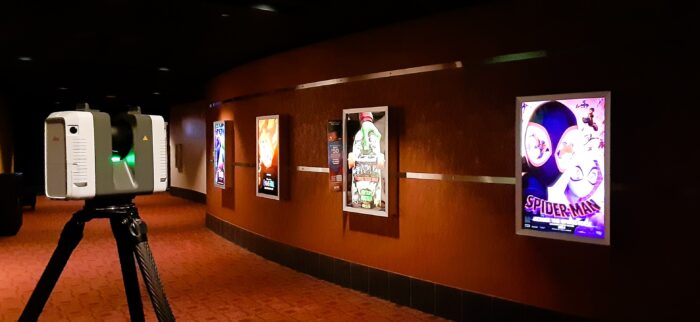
(462, 122)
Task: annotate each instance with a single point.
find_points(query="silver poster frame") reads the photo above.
(279, 157)
(387, 156)
(214, 126)
(519, 230)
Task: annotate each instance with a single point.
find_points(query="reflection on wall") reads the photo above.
(188, 128)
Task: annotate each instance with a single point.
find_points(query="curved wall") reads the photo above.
(461, 121)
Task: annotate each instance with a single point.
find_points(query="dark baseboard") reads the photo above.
(440, 300)
(191, 195)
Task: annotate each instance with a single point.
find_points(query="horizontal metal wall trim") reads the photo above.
(385, 74)
(312, 169)
(416, 175)
(342, 80)
(458, 178)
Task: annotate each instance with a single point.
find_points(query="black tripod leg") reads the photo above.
(126, 260)
(153, 284)
(70, 238)
(138, 232)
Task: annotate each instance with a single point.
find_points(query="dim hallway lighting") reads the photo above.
(24, 58)
(517, 57)
(264, 7)
(163, 69)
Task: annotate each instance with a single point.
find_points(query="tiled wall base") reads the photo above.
(191, 195)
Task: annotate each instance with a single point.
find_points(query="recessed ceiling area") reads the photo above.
(158, 53)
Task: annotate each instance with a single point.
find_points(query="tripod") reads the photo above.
(130, 233)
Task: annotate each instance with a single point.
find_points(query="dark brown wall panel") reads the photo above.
(461, 121)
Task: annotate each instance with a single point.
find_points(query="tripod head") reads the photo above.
(110, 202)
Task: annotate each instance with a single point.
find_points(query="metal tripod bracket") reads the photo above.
(138, 230)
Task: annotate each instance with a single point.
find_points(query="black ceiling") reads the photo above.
(109, 53)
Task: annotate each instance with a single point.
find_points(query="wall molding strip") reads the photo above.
(312, 169)
(414, 175)
(457, 178)
(357, 78)
(384, 74)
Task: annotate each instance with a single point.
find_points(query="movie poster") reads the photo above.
(366, 133)
(563, 167)
(267, 157)
(219, 154)
(335, 158)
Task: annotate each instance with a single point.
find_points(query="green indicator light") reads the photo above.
(131, 158)
(115, 157)
(517, 56)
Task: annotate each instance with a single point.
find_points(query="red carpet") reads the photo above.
(206, 277)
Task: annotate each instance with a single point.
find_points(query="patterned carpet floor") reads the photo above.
(206, 277)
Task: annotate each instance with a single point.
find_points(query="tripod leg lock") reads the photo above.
(138, 230)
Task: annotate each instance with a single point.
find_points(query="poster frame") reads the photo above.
(279, 156)
(387, 160)
(215, 165)
(519, 174)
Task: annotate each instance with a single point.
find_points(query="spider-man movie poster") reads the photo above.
(563, 167)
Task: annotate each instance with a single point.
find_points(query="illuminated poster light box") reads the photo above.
(366, 161)
(563, 167)
(267, 160)
(222, 152)
(219, 154)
